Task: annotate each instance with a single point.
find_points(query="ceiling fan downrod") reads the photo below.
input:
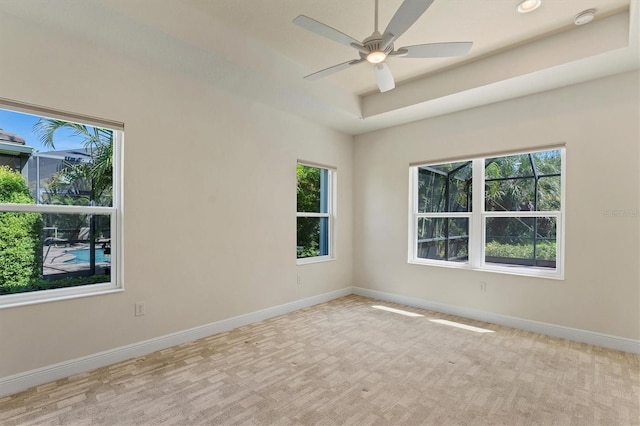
(375, 23)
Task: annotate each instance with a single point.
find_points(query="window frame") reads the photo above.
(478, 219)
(330, 214)
(114, 212)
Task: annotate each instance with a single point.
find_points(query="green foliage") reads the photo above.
(312, 249)
(545, 250)
(308, 190)
(13, 189)
(44, 284)
(519, 194)
(20, 246)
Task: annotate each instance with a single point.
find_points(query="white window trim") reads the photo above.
(331, 215)
(115, 212)
(477, 222)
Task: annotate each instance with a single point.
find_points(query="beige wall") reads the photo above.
(598, 121)
(210, 200)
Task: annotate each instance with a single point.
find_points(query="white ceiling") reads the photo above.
(252, 48)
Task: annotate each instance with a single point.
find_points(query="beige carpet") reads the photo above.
(344, 362)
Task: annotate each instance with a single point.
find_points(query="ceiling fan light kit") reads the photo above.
(376, 57)
(376, 48)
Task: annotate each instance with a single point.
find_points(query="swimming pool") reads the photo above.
(82, 256)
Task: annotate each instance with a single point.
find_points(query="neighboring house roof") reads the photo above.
(12, 144)
(11, 137)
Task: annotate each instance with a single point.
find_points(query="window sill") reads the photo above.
(46, 296)
(508, 270)
(318, 259)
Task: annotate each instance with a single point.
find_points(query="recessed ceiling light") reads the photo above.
(584, 17)
(527, 6)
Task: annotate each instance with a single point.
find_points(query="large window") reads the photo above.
(315, 213)
(501, 213)
(60, 208)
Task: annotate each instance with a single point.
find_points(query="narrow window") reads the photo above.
(314, 213)
(59, 206)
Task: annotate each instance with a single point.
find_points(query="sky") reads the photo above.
(22, 125)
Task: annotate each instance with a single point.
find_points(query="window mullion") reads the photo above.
(523, 213)
(476, 227)
(312, 214)
(56, 208)
(451, 215)
(413, 214)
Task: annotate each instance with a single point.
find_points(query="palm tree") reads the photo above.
(98, 143)
(97, 174)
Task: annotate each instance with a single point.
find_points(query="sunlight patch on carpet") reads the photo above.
(397, 311)
(463, 326)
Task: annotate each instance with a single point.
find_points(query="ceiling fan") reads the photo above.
(376, 48)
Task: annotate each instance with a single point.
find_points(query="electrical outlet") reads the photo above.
(483, 287)
(139, 309)
(299, 279)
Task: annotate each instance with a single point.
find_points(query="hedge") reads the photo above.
(20, 233)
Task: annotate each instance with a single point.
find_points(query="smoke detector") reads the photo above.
(584, 17)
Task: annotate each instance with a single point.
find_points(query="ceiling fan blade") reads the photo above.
(384, 78)
(408, 13)
(328, 71)
(325, 31)
(434, 50)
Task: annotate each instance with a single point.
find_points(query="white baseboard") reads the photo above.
(26, 380)
(598, 339)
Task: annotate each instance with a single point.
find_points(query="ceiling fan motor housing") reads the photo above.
(373, 43)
